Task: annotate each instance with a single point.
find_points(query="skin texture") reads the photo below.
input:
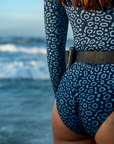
(105, 134)
(63, 135)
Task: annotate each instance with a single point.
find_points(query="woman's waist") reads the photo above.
(90, 57)
(95, 57)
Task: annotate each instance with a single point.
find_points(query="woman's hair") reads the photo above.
(89, 5)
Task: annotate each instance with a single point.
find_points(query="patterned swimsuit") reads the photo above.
(85, 92)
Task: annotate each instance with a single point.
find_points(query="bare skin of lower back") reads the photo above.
(62, 135)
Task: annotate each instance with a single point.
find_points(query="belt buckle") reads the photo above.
(70, 56)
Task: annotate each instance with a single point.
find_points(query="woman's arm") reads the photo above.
(56, 26)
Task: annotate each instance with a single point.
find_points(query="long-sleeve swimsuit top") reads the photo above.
(92, 31)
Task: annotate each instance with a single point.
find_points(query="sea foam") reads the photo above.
(13, 49)
(34, 70)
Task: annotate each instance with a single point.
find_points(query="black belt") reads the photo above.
(90, 57)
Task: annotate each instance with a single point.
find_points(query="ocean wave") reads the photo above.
(20, 70)
(22, 40)
(13, 49)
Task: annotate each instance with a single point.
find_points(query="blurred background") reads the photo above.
(26, 95)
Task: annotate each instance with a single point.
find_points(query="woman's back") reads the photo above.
(92, 31)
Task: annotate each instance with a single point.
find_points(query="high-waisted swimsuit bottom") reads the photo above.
(85, 96)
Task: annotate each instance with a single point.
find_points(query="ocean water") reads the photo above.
(26, 94)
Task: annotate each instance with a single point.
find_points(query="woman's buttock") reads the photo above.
(85, 96)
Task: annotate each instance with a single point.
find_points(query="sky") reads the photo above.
(23, 18)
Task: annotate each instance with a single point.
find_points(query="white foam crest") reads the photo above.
(13, 49)
(20, 70)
